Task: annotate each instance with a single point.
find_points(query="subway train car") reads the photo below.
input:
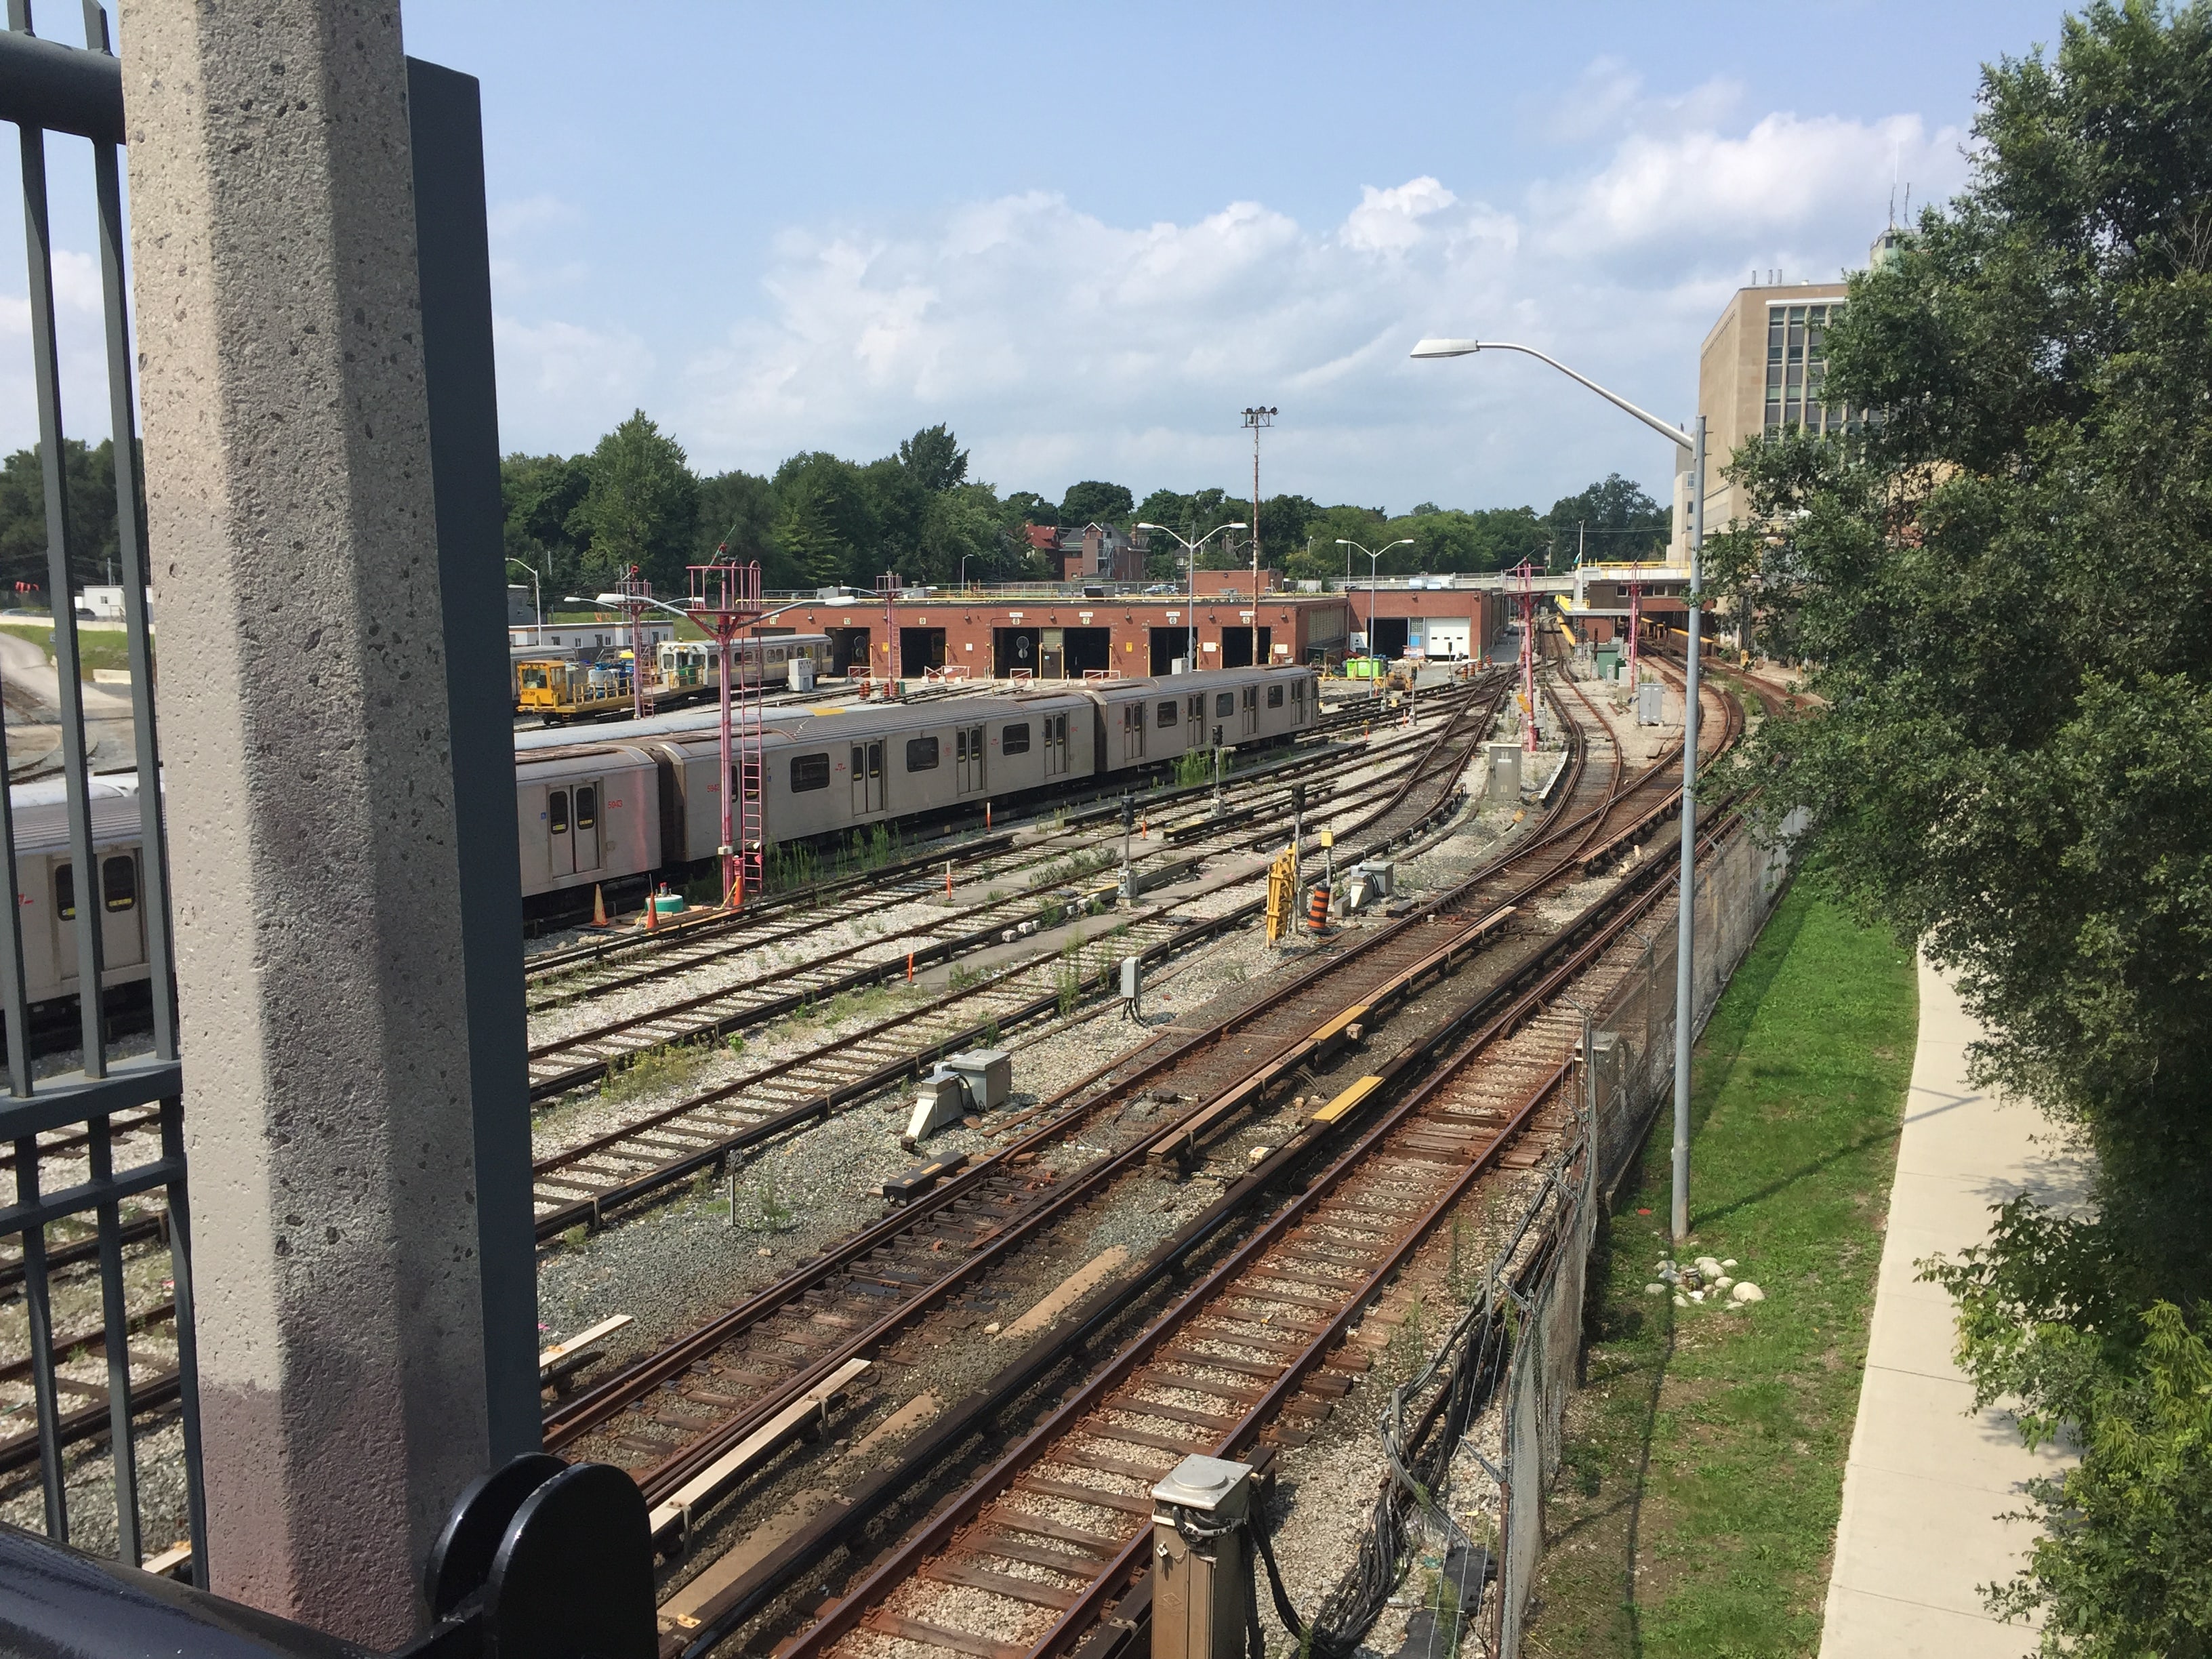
(586, 813)
(643, 800)
(48, 891)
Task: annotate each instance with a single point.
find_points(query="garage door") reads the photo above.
(1448, 636)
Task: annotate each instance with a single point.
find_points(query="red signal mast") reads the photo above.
(1526, 573)
(636, 598)
(726, 598)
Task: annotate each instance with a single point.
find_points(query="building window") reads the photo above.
(809, 772)
(920, 754)
(1797, 369)
(1014, 739)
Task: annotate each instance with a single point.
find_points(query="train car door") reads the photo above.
(1193, 737)
(1250, 722)
(585, 835)
(1132, 730)
(968, 749)
(1055, 745)
(868, 777)
(122, 924)
(560, 842)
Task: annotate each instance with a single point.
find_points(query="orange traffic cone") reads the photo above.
(652, 911)
(599, 907)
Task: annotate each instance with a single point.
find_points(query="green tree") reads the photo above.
(642, 506)
(1093, 501)
(89, 479)
(2002, 580)
(825, 522)
(737, 513)
(540, 494)
(934, 456)
(1613, 518)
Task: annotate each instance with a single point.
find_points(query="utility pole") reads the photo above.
(1257, 418)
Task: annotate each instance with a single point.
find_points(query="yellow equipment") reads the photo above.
(1282, 893)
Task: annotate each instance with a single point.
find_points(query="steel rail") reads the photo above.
(745, 1598)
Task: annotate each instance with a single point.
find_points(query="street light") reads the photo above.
(1685, 943)
(1190, 615)
(1402, 541)
(536, 603)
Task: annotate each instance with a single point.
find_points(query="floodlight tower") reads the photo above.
(725, 598)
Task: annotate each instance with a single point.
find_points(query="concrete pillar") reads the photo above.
(310, 797)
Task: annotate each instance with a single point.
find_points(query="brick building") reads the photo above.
(1063, 632)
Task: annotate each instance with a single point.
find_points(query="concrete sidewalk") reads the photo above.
(1927, 1481)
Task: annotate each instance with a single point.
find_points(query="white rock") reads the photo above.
(1730, 1262)
(1681, 1301)
(991, 1329)
(1654, 1290)
(1723, 1282)
(1697, 1296)
(1747, 1291)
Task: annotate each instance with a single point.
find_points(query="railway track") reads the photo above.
(678, 1416)
(1256, 1341)
(579, 1185)
(582, 1057)
(959, 928)
(1038, 1548)
(826, 901)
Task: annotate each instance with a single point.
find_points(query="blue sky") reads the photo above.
(1088, 236)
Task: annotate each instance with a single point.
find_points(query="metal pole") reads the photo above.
(729, 844)
(1374, 688)
(1255, 545)
(1685, 945)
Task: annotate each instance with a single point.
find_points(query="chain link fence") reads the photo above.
(1628, 1051)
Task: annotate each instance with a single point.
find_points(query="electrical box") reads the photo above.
(1383, 872)
(988, 1073)
(1132, 978)
(1648, 697)
(942, 1100)
(1199, 1543)
(1505, 783)
(802, 673)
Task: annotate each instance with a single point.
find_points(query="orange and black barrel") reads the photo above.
(1317, 908)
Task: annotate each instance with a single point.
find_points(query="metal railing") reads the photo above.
(96, 1153)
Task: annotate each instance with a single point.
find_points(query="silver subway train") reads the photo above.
(643, 798)
(646, 796)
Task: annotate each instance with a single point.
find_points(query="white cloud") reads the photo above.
(1389, 220)
(1060, 345)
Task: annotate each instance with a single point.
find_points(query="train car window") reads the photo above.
(64, 891)
(809, 772)
(556, 811)
(1225, 703)
(1274, 696)
(118, 882)
(1014, 739)
(1167, 714)
(920, 754)
(587, 805)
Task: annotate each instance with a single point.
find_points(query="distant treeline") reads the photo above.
(580, 521)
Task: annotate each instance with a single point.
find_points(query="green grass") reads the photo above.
(1697, 1500)
(96, 647)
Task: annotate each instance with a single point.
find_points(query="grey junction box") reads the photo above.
(1199, 1514)
(988, 1073)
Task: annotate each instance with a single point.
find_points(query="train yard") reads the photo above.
(891, 1402)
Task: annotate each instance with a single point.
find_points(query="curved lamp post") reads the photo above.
(1402, 541)
(1685, 930)
(1190, 615)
